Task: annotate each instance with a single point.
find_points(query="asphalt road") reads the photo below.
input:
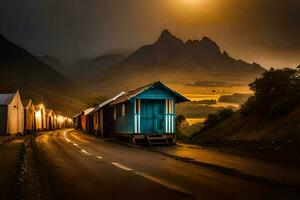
(77, 166)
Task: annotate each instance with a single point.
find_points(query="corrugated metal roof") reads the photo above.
(130, 94)
(5, 99)
(107, 102)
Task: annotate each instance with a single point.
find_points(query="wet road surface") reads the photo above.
(77, 166)
(255, 167)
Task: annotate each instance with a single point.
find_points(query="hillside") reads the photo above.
(172, 60)
(53, 62)
(272, 113)
(87, 69)
(37, 80)
(253, 127)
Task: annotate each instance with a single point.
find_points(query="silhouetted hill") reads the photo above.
(202, 54)
(87, 69)
(53, 62)
(37, 80)
(170, 59)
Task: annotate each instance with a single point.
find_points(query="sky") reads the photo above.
(262, 31)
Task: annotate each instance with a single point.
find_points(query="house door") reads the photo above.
(158, 116)
(152, 112)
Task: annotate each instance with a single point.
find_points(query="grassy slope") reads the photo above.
(255, 128)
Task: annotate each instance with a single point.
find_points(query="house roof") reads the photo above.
(5, 99)
(26, 102)
(107, 102)
(38, 108)
(48, 111)
(88, 111)
(130, 94)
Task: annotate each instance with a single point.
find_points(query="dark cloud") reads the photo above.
(265, 31)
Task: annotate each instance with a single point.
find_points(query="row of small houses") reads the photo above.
(144, 115)
(19, 116)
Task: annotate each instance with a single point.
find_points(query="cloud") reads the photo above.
(265, 31)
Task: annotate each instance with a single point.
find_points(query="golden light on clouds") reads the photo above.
(191, 11)
(193, 2)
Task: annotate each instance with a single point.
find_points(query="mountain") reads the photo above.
(37, 80)
(170, 59)
(202, 54)
(53, 62)
(87, 69)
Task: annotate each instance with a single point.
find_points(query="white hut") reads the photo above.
(49, 119)
(28, 115)
(40, 118)
(11, 114)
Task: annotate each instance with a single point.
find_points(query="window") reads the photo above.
(123, 109)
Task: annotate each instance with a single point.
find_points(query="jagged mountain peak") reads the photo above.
(166, 37)
(203, 54)
(208, 43)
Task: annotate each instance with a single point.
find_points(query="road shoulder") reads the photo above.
(10, 156)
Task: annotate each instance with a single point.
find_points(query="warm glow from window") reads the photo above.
(38, 114)
(60, 118)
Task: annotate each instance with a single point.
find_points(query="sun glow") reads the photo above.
(193, 2)
(191, 11)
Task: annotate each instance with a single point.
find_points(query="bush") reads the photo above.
(180, 119)
(211, 121)
(249, 106)
(225, 113)
(214, 119)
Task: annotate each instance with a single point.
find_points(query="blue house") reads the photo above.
(147, 114)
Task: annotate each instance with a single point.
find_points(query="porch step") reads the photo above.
(156, 140)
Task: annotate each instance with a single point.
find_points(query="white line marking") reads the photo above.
(164, 183)
(68, 140)
(84, 151)
(99, 157)
(121, 166)
(75, 144)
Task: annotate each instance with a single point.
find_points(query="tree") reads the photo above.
(276, 92)
(180, 120)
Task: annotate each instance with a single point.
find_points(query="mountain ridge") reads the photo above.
(37, 80)
(171, 59)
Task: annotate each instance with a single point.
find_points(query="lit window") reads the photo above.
(123, 109)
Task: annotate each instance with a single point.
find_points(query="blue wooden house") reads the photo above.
(147, 114)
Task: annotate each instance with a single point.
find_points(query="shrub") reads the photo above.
(225, 113)
(180, 119)
(214, 119)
